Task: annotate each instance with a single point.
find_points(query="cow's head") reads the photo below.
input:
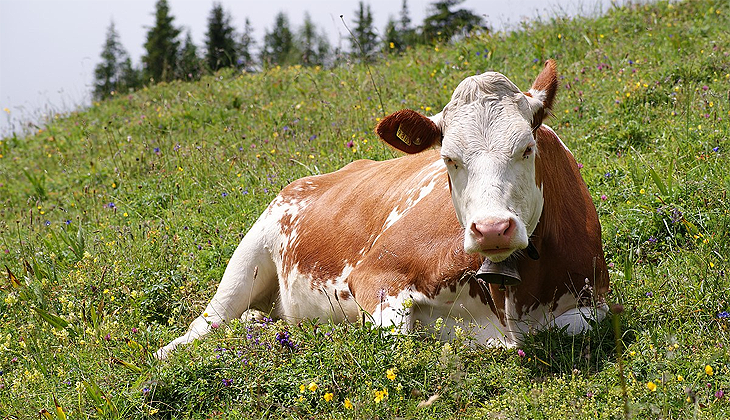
(487, 138)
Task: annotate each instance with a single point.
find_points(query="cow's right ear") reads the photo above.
(409, 131)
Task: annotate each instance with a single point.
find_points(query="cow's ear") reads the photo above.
(409, 131)
(542, 94)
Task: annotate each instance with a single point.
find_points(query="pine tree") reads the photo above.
(279, 48)
(190, 65)
(399, 34)
(220, 43)
(245, 57)
(162, 46)
(313, 46)
(114, 74)
(443, 23)
(363, 39)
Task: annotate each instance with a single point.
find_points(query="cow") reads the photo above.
(401, 242)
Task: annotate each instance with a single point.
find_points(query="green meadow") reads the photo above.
(117, 222)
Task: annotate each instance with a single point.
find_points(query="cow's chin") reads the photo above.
(496, 255)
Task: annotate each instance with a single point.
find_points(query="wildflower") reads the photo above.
(520, 353)
(680, 378)
(312, 386)
(589, 394)
(649, 294)
(328, 396)
(214, 325)
(651, 386)
(716, 149)
(604, 197)
(157, 150)
(134, 330)
(283, 338)
(227, 382)
(347, 404)
(719, 394)
(349, 144)
(380, 395)
(390, 374)
(709, 371)
(723, 315)
(302, 388)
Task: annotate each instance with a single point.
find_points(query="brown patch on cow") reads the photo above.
(409, 131)
(568, 236)
(344, 295)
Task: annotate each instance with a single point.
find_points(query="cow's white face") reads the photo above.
(489, 150)
(488, 145)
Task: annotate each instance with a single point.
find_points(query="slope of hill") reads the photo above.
(117, 221)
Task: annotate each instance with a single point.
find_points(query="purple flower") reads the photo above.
(312, 137)
(48, 223)
(145, 391)
(349, 144)
(134, 330)
(589, 394)
(520, 353)
(225, 194)
(716, 149)
(723, 315)
(719, 394)
(283, 338)
(227, 382)
(649, 294)
(111, 205)
(157, 150)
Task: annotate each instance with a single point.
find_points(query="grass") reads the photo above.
(117, 222)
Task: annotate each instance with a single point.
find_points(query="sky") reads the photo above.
(49, 48)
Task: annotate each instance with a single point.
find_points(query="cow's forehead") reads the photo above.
(489, 121)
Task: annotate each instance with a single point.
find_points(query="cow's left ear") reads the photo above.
(409, 131)
(542, 94)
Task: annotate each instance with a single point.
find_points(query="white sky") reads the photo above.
(49, 48)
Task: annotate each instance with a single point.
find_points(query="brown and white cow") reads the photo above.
(402, 239)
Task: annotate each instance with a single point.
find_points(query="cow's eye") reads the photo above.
(450, 162)
(527, 153)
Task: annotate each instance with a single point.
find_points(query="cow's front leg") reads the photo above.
(250, 280)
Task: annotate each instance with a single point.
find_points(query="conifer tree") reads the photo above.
(220, 43)
(363, 40)
(190, 65)
(114, 73)
(279, 48)
(313, 46)
(245, 56)
(162, 46)
(443, 23)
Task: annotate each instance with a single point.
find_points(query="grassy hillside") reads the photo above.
(117, 222)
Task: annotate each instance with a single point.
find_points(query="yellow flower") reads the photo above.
(312, 386)
(651, 386)
(302, 388)
(348, 404)
(680, 378)
(381, 395)
(390, 374)
(709, 371)
(391, 45)
(328, 396)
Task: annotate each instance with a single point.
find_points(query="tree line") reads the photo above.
(170, 56)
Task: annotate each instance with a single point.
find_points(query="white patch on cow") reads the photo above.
(567, 313)
(308, 298)
(446, 314)
(432, 174)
